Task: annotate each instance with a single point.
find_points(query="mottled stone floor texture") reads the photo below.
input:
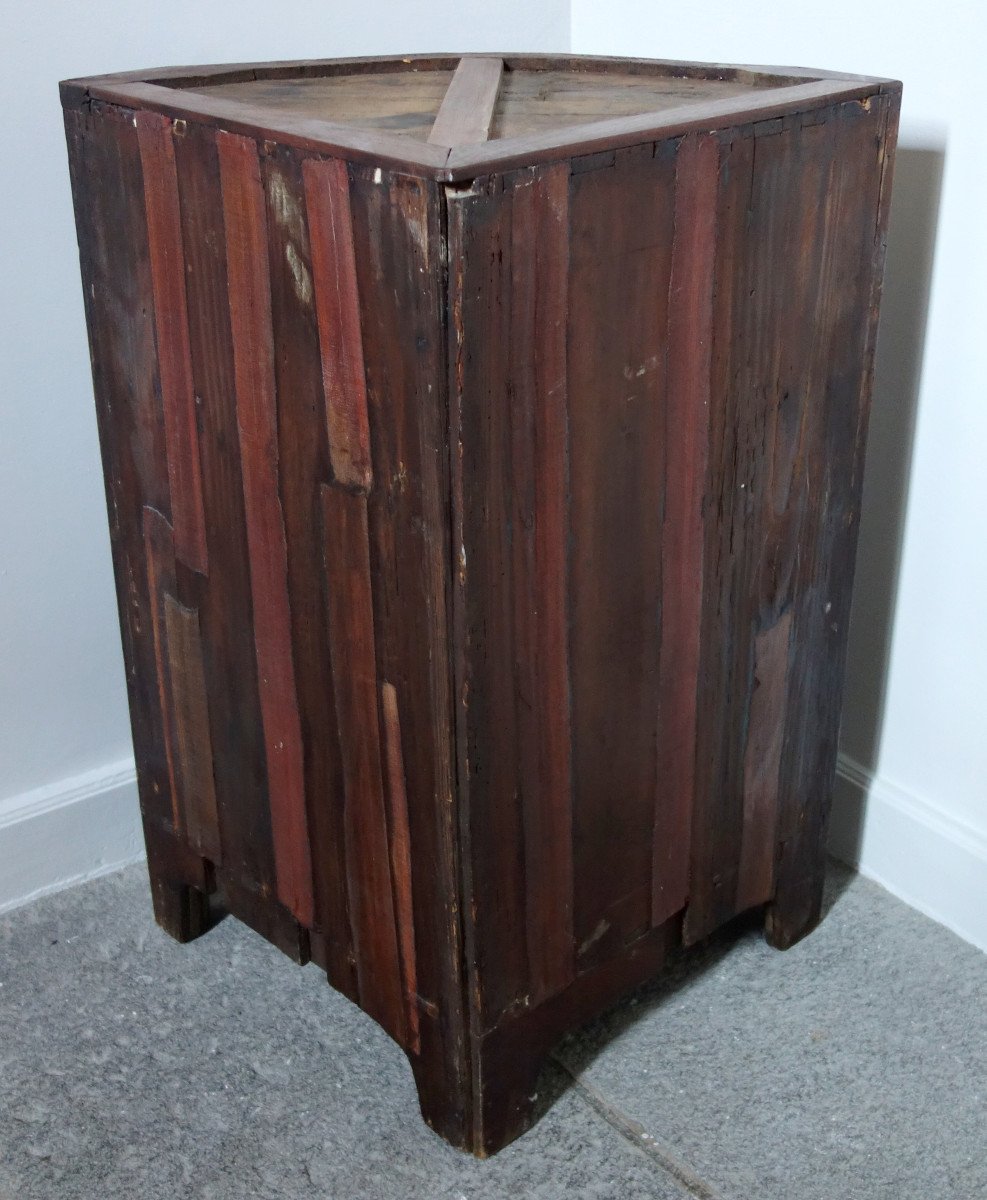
(854, 1065)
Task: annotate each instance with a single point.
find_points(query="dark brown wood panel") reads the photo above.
(621, 260)
(327, 197)
(253, 360)
(687, 417)
(853, 211)
(223, 601)
(400, 844)
(398, 238)
(487, 732)
(192, 734)
(104, 159)
(159, 557)
(351, 639)
(303, 448)
(540, 534)
(171, 324)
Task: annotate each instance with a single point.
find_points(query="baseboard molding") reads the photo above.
(910, 847)
(68, 832)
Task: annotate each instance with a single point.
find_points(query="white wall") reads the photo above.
(64, 734)
(912, 797)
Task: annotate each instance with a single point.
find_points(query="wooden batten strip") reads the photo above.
(540, 280)
(467, 108)
(167, 259)
(159, 558)
(354, 673)
(194, 742)
(690, 339)
(330, 229)
(253, 357)
(400, 842)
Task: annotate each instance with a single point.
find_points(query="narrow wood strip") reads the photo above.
(337, 303)
(193, 736)
(167, 260)
(690, 339)
(159, 558)
(762, 761)
(540, 254)
(400, 842)
(351, 639)
(303, 443)
(253, 358)
(467, 108)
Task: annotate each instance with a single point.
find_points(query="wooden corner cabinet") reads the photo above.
(483, 444)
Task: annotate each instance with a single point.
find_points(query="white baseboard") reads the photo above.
(68, 832)
(922, 855)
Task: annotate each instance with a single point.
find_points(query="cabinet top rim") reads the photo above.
(454, 117)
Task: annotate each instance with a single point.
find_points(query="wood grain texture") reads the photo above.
(351, 639)
(171, 325)
(467, 108)
(303, 443)
(223, 601)
(622, 236)
(193, 737)
(540, 454)
(400, 844)
(253, 358)
(398, 234)
(687, 417)
(327, 197)
(159, 556)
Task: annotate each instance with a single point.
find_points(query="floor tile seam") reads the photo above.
(658, 1154)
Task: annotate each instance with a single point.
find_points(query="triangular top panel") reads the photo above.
(454, 117)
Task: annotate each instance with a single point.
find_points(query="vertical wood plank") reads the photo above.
(351, 637)
(159, 556)
(491, 816)
(687, 415)
(303, 443)
(193, 736)
(622, 235)
(539, 310)
(401, 859)
(327, 198)
(223, 600)
(167, 262)
(104, 161)
(253, 356)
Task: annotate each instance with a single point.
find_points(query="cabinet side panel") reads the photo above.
(107, 187)
(845, 328)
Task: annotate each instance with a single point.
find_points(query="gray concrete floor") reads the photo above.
(855, 1065)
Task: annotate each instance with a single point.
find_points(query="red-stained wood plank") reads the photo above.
(327, 198)
(171, 325)
(303, 443)
(351, 639)
(539, 300)
(159, 557)
(192, 733)
(400, 843)
(687, 415)
(467, 108)
(253, 356)
(222, 599)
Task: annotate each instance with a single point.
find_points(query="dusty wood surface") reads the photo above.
(498, 650)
